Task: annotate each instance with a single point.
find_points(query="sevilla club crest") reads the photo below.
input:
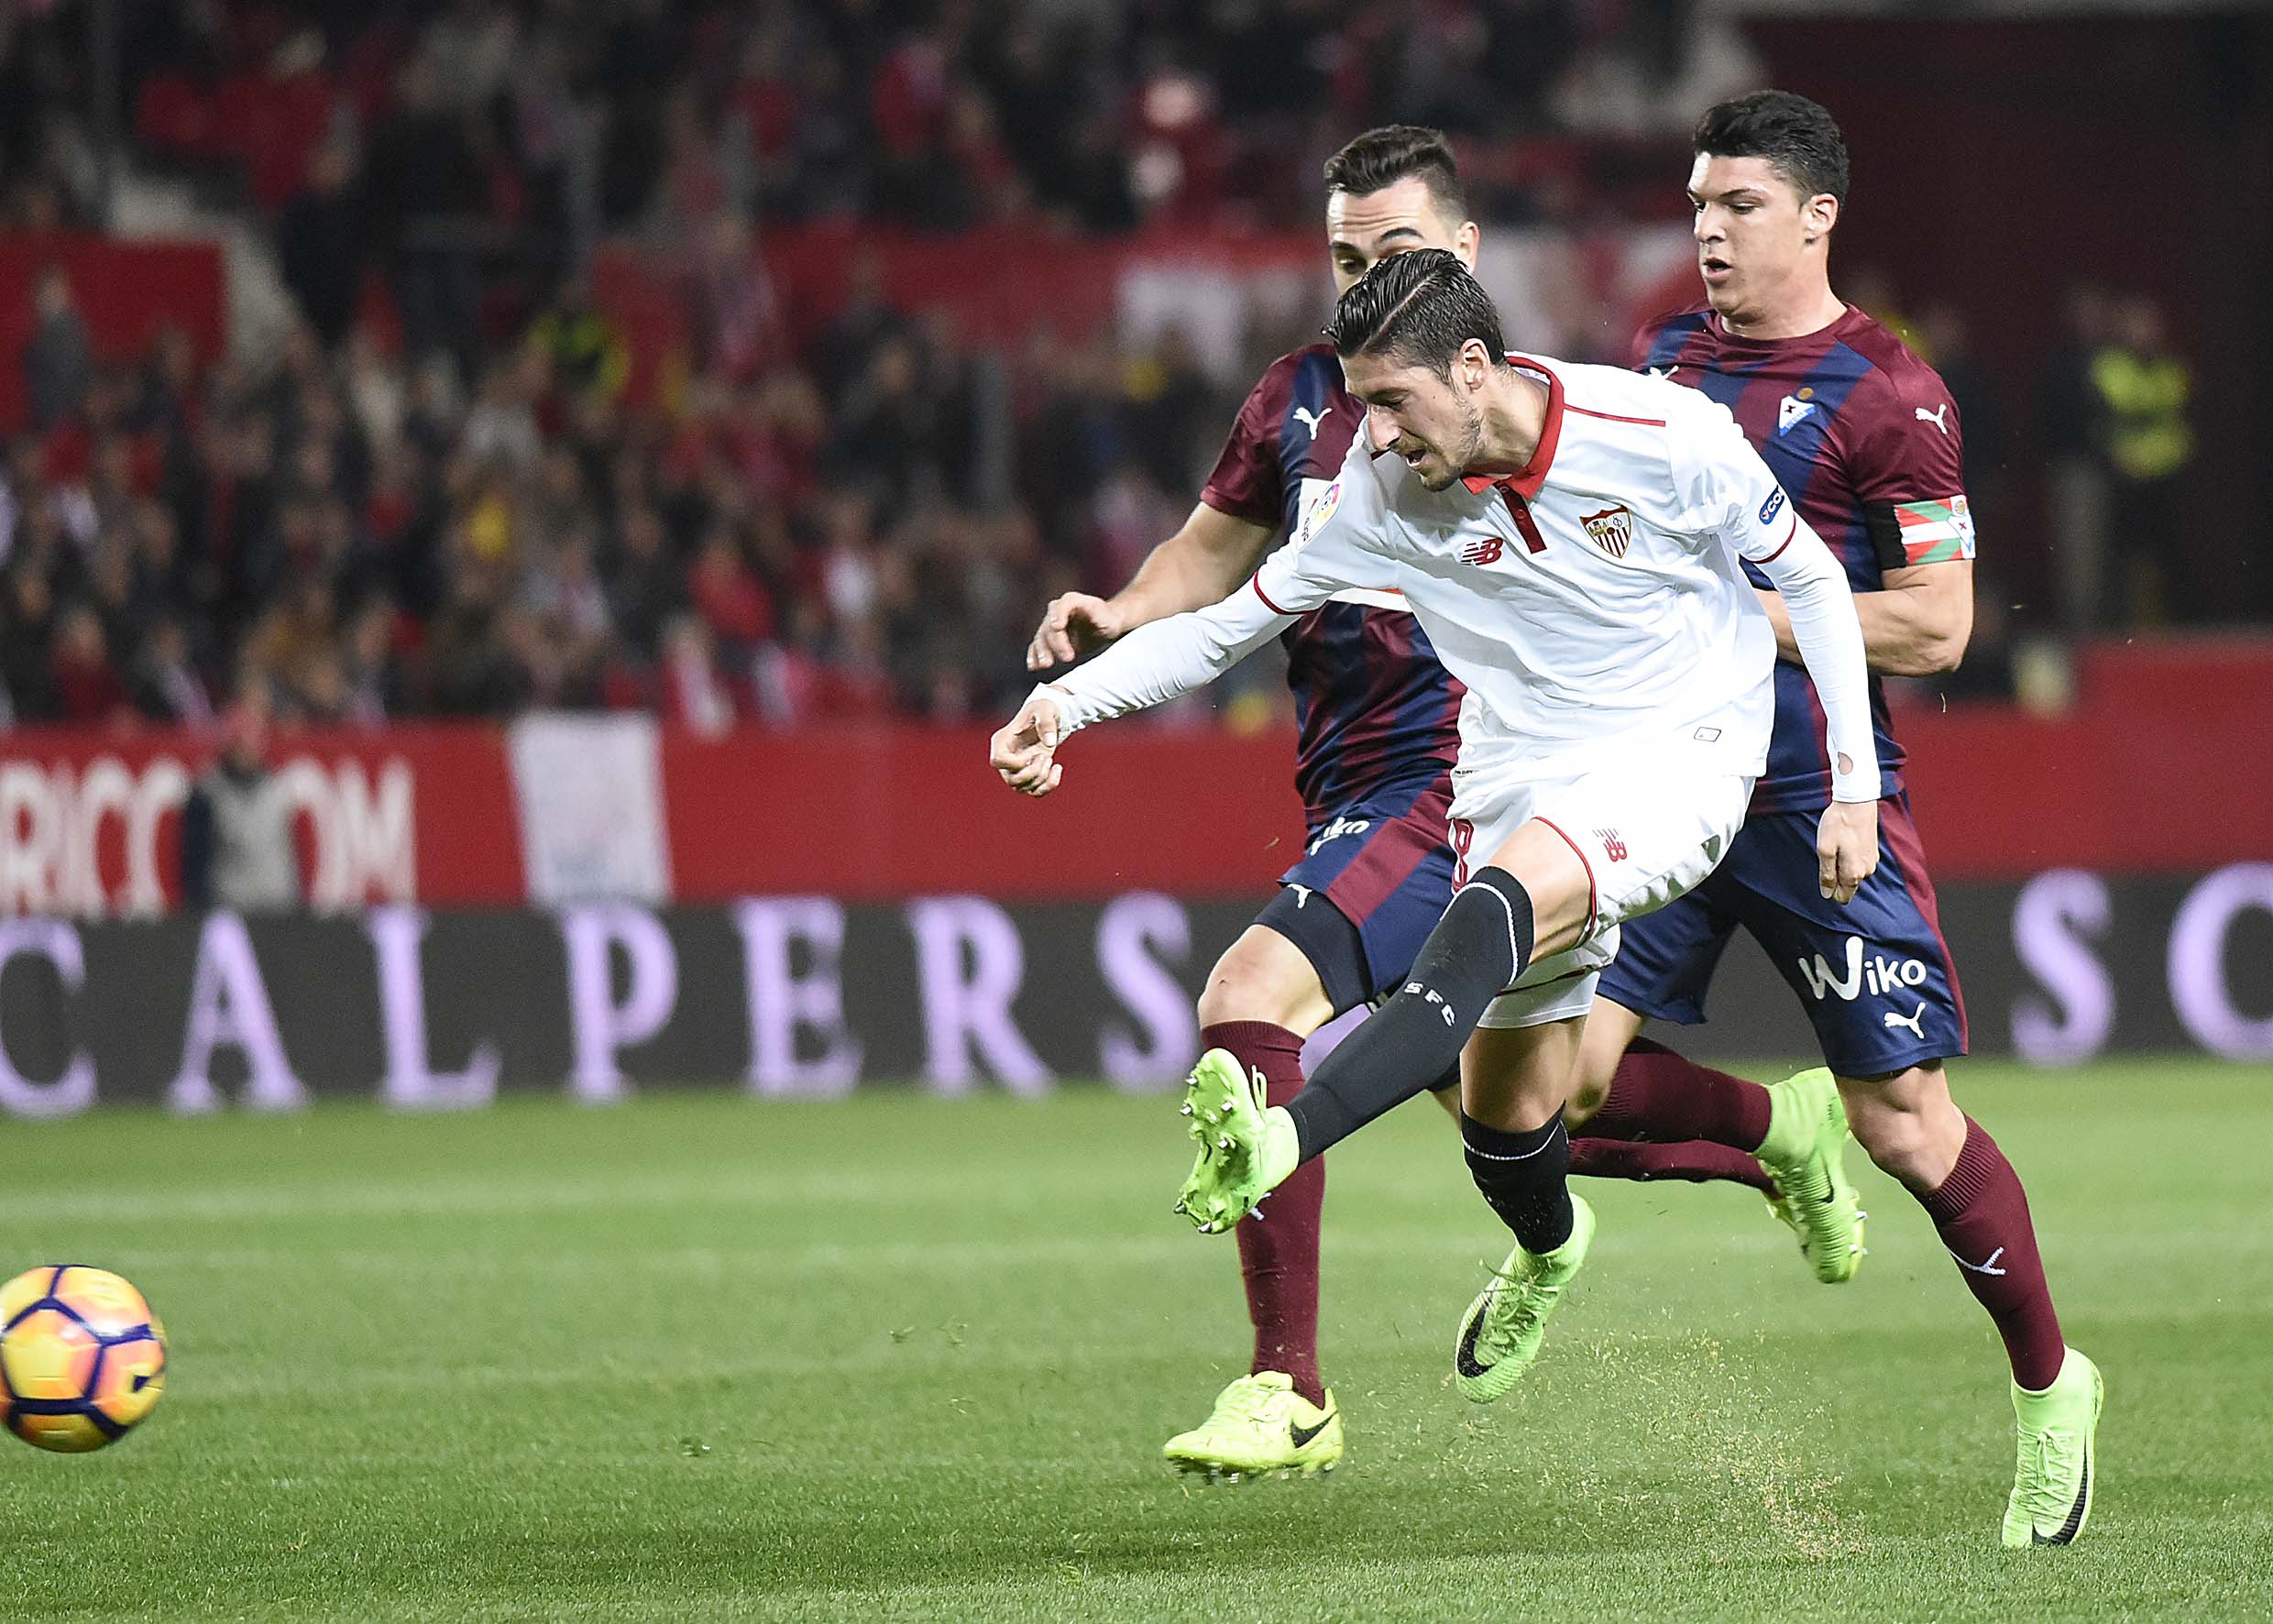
(1611, 530)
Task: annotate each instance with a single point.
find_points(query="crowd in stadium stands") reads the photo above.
(459, 510)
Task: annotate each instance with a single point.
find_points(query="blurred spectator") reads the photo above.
(2144, 389)
(2076, 474)
(369, 672)
(644, 589)
(59, 362)
(731, 301)
(166, 687)
(694, 694)
(1949, 338)
(429, 199)
(88, 688)
(319, 242)
(237, 850)
(588, 356)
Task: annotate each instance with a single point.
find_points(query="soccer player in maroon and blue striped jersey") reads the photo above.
(1863, 435)
(1378, 718)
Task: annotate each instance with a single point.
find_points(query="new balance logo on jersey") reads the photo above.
(1337, 828)
(1935, 417)
(1792, 411)
(1311, 419)
(1483, 551)
(1880, 977)
(1917, 1023)
(1611, 529)
(1612, 847)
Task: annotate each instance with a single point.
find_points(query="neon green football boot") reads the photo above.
(1245, 1147)
(1500, 1333)
(1805, 1154)
(1261, 1424)
(2059, 1433)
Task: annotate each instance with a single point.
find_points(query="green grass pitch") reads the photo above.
(703, 1357)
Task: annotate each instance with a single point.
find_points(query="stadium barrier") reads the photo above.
(810, 995)
(2143, 776)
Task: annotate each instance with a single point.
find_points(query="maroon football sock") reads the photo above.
(1663, 1098)
(1983, 1215)
(1278, 1251)
(1699, 1161)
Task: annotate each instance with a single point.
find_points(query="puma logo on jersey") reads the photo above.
(1301, 893)
(1935, 417)
(1917, 1023)
(1311, 419)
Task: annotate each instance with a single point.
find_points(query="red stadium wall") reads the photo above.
(2152, 773)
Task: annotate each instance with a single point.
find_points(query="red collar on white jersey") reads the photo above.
(1526, 480)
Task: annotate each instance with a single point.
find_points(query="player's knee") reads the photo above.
(1587, 1092)
(1254, 983)
(1599, 1054)
(1905, 1124)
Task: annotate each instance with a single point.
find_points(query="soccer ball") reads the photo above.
(82, 1358)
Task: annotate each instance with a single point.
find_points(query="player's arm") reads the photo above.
(1202, 564)
(1813, 586)
(1917, 624)
(1158, 661)
(1906, 463)
(1732, 495)
(1151, 666)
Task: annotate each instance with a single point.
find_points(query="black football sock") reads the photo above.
(1524, 1177)
(1406, 1046)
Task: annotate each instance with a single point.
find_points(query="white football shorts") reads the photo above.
(1646, 833)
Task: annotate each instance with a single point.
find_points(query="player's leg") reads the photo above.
(1515, 1074)
(1791, 1135)
(1545, 908)
(1645, 1161)
(1915, 1131)
(1263, 997)
(1351, 913)
(1888, 1047)
(1631, 1113)
(1536, 892)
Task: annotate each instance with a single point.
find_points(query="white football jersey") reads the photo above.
(1593, 603)
(1589, 602)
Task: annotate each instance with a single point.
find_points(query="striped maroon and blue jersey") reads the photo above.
(1863, 437)
(1374, 704)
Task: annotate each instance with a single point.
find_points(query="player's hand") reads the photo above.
(1074, 624)
(1025, 748)
(1847, 848)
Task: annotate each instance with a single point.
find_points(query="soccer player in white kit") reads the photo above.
(1569, 538)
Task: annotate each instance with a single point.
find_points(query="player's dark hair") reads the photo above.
(1396, 152)
(1797, 136)
(1420, 307)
